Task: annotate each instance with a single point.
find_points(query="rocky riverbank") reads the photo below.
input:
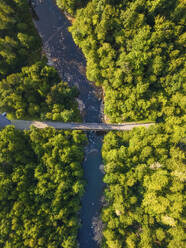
(63, 54)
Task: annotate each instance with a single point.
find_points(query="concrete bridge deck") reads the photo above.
(22, 124)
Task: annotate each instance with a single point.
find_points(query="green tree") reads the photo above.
(145, 176)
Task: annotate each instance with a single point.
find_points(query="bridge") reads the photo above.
(22, 124)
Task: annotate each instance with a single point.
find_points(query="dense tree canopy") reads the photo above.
(40, 170)
(38, 92)
(145, 174)
(40, 187)
(34, 91)
(19, 43)
(70, 6)
(135, 50)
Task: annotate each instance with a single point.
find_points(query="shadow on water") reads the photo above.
(33, 12)
(63, 54)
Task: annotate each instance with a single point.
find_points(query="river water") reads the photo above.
(67, 58)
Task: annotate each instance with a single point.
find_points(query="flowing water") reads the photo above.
(67, 58)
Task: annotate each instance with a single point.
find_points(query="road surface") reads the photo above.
(22, 124)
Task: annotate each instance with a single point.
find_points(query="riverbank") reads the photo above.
(70, 63)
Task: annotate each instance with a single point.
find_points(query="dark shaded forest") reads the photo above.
(20, 45)
(71, 6)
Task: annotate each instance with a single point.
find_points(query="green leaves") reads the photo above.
(70, 6)
(39, 190)
(134, 49)
(37, 92)
(144, 194)
(19, 42)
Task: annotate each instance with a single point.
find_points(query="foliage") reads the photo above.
(34, 91)
(71, 5)
(20, 45)
(40, 187)
(40, 170)
(37, 92)
(135, 50)
(145, 174)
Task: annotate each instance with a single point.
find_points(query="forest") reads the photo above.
(41, 175)
(144, 197)
(20, 45)
(41, 182)
(38, 92)
(29, 88)
(71, 6)
(135, 51)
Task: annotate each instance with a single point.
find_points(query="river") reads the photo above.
(68, 59)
